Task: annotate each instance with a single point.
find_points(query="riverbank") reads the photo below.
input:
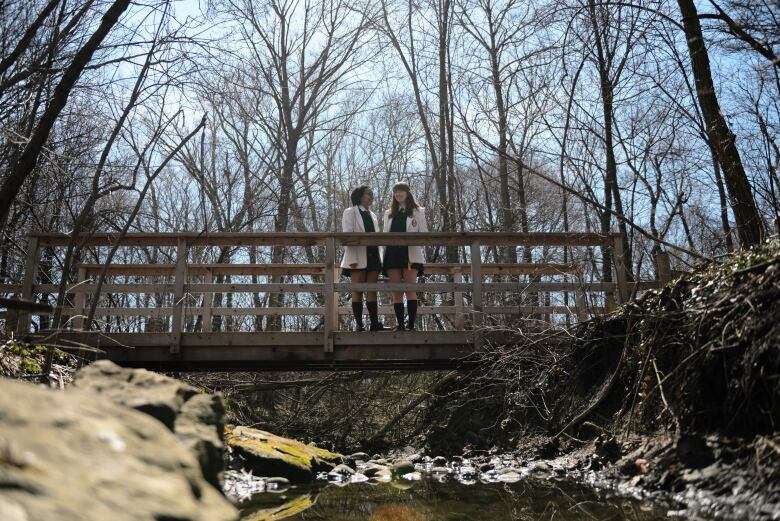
(676, 393)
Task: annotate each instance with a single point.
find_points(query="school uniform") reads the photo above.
(405, 257)
(358, 219)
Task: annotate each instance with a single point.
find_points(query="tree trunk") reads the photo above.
(29, 158)
(748, 220)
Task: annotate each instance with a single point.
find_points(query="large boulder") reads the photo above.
(269, 455)
(196, 418)
(79, 456)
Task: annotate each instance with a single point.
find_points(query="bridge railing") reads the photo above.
(185, 296)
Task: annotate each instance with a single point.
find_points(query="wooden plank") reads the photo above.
(178, 295)
(493, 287)
(237, 239)
(318, 269)
(477, 313)
(206, 310)
(663, 268)
(504, 268)
(109, 288)
(621, 270)
(256, 288)
(309, 311)
(331, 310)
(204, 269)
(80, 301)
(529, 310)
(459, 318)
(28, 284)
(432, 287)
(580, 300)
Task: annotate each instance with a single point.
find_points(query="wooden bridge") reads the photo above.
(166, 311)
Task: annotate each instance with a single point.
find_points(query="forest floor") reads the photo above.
(676, 393)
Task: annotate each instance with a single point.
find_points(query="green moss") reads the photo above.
(272, 453)
(31, 366)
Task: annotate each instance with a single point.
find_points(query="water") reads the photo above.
(428, 499)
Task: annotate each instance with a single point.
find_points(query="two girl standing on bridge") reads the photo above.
(401, 264)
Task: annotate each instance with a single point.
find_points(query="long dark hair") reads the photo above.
(410, 203)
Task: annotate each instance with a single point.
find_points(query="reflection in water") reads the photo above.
(432, 500)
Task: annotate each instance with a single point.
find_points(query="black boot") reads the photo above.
(376, 325)
(357, 310)
(412, 306)
(399, 315)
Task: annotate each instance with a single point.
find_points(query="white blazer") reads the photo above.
(414, 223)
(351, 221)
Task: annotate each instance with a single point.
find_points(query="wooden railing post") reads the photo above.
(458, 296)
(331, 310)
(205, 318)
(178, 295)
(28, 284)
(477, 315)
(80, 302)
(621, 270)
(580, 300)
(663, 268)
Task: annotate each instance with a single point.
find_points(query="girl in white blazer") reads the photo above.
(362, 263)
(404, 263)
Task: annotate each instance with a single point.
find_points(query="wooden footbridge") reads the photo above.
(165, 310)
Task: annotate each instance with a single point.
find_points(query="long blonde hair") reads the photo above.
(410, 204)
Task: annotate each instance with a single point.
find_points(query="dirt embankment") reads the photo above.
(678, 391)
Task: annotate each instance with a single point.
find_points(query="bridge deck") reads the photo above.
(270, 351)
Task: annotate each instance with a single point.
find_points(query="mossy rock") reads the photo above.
(269, 455)
(290, 508)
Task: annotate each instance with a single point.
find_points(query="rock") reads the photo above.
(440, 470)
(79, 456)
(277, 484)
(484, 467)
(157, 395)
(693, 451)
(642, 466)
(358, 456)
(415, 458)
(269, 455)
(341, 471)
(541, 468)
(199, 427)
(439, 461)
(380, 474)
(402, 467)
(196, 418)
(373, 470)
(509, 476)
(607, 448)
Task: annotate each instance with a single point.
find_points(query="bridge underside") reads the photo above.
(279, 351)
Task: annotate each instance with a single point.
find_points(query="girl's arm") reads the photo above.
(423, 224)
(347, 224)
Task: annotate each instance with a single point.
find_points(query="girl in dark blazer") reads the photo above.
(362, 263)
(404, 263)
